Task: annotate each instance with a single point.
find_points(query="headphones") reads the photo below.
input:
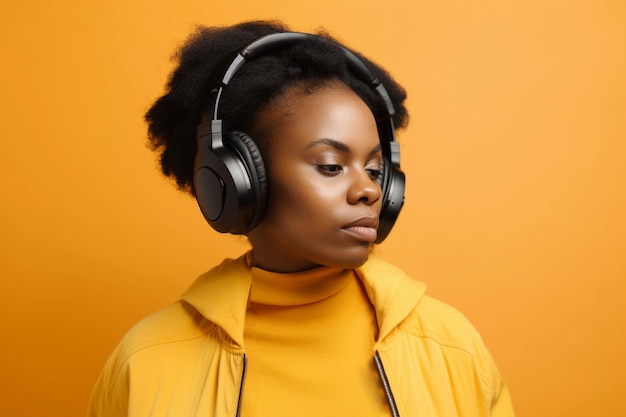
(230, 183)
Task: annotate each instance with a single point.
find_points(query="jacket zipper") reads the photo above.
(386, 386)
(381, 372)
(243, 380)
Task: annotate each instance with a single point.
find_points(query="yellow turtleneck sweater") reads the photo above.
(309, 340)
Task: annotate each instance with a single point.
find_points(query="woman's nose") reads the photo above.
(364, 188)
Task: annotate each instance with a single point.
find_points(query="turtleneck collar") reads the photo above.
(297, 288)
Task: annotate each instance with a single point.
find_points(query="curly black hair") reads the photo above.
(173, 118)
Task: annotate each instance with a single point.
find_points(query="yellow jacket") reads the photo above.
(188, 360)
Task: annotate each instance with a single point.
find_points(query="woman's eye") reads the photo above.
(329, 169)
(373, 173)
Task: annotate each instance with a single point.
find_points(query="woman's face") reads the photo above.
(323, 158)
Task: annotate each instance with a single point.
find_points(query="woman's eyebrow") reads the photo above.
(340, 146)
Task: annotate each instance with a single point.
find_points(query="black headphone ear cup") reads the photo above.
(251, 157)
(392, 183)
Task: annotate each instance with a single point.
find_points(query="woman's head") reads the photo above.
(316, 125)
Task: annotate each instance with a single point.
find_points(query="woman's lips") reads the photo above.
(364, 228)
(364, 233)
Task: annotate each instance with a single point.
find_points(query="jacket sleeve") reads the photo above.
(109, 397)
(500, 398)
(501, 405)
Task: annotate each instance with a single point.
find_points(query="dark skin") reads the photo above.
(324, 198)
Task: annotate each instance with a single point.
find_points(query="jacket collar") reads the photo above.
(392, 293)
(221, 295)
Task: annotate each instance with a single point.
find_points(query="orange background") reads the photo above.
(516, 200)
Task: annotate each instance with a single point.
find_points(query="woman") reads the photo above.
(289, 139)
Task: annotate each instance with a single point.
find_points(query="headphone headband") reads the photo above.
(274, 41)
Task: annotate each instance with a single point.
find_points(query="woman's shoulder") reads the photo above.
(400, 296)
(169, 326)
(184, 319)
(440, 323)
